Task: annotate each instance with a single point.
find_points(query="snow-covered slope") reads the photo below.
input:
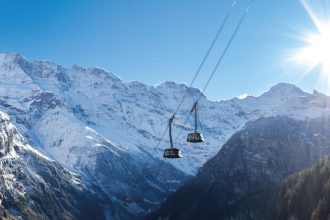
(33, 186)
(105, 129)
(84, 120)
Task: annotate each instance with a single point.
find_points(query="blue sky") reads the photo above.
(155, 41)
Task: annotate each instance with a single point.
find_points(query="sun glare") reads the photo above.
(316, 50)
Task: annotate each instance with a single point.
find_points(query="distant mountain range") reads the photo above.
(91, 123)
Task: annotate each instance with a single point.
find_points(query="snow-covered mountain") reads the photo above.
(33, 186)
(106, 130)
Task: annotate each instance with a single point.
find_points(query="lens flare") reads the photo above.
(316, 50)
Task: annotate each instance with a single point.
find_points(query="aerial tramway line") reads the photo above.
(196, 137)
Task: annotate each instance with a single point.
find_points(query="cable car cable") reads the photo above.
(215, 39)
(216, 66)
(218, 62)
(228, 44)
(221, 58)
(229, 12)
(194, 77)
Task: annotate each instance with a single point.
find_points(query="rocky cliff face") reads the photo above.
(32, 186)
(243, 179)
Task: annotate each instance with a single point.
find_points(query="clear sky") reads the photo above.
(153, 41)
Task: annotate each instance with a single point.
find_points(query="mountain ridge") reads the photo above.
(82, 116)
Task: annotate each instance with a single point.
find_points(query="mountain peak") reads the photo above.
(181, 88)
(170, 84)
(78, 68)
(284, 90)
(285, 87)
(14, 57)
(94, 71)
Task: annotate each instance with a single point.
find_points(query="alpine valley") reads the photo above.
(74, 142)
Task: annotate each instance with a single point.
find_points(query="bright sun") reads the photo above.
(316, 52)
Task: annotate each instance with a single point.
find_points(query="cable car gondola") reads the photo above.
(195, 137)
(171, 152)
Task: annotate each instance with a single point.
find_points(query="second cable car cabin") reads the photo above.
(195, 137)
(171, 152)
